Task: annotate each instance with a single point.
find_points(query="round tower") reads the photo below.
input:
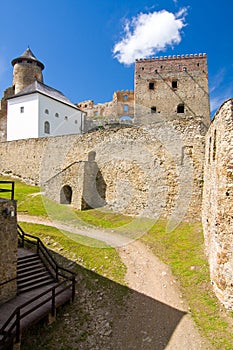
(27, 69)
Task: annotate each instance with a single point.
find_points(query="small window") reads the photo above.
(126, 97)
(174, 84)
(76, 122)
(96, 113)
(142, 68)
(153, 109)
(66, 118)
(46, 111)
(126, 108)
(56, 115)
(29, 61)
(46, 128)
(180, 108)
(21, 109)
(151, 86)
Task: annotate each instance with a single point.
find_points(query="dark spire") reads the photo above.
(27, 55)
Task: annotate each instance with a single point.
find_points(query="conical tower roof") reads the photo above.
(27, 55)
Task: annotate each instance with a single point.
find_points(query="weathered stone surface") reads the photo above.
(8, 249)
(153, 170)
(217, 213)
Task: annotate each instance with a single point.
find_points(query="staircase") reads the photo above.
(32, 273)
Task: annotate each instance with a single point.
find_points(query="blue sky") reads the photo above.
(76, 41)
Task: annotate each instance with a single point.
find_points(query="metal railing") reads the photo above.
(65, 278)
(10, 190)
(56, 270)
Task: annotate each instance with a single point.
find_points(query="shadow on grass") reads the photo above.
(105, 315)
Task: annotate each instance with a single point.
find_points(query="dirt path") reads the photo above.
(155, 317)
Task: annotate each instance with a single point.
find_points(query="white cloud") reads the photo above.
(147, 34)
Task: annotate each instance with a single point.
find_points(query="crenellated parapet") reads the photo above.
(171, 57)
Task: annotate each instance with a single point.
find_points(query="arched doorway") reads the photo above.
(66, 195)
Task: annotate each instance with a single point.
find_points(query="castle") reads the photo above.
(154, 154)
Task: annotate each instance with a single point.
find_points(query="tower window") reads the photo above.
(56, 115)
(174, 84)
(151, 86)
(29, 61)
(21, 109)
(46, 111)
(66, 118)
(180, 108)
(126, 97)
(153, 109)
(126, 108)
(46, 128)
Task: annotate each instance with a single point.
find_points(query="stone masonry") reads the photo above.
(173, 87)
(8, 250)
(153, 167)
(217, 214)
(119, 110)
(153, 170)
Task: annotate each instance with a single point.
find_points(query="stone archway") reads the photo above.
(66, 195)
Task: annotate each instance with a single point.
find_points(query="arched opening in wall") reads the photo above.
(46, 128)
(66, 195)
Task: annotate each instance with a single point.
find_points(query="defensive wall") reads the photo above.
(217, 213)
(154, 170)
(8, 250)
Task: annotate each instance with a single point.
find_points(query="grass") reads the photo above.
(183, 250)
(29, 199)
(104, 261)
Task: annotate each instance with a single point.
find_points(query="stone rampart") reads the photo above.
(153, 170)
(218, 202)
(8, 250)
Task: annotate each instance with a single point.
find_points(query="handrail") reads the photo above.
(12, 190)
(18, 314)
(42, 250)
(8, 281)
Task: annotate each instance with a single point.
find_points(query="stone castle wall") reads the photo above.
(154, 170)
(100, 114)
(217, 214)
(3, 112)
(162, 84)
(8, 250)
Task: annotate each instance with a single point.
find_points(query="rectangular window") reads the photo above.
(174, 84)
(21, 109)
(126, 108)
(153, 109)
(151, 86)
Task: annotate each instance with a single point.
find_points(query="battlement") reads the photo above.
(173, 57)
(124, 91)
